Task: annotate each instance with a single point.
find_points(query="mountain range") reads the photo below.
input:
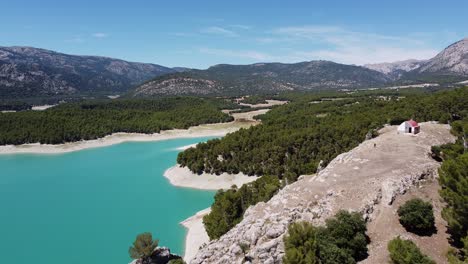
(32, 72)
(452, 61)
(451, 64)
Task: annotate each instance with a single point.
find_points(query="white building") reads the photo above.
(409, 126)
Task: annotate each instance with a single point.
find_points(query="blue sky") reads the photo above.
(203, 33)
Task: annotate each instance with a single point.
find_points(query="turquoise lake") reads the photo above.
(88, 206)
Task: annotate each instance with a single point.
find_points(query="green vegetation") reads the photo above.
(417, 216)
(301, 244)
(254, 99)
(293, 138)
(406, 252)
(453, 178)
(143, 246)
(94, 119)
(230, 205)
(343, 240)
(14, 106)
(454, 181)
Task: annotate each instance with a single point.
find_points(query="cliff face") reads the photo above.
(366, 179)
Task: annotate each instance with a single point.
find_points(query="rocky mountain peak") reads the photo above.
(452, 60)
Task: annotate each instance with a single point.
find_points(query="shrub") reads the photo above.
(342, 241)
(417, 216)
(348, 231)
(230, 205)
(406, 252)
(143, 246)
(301, 244)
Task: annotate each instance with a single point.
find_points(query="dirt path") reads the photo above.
(366, 179)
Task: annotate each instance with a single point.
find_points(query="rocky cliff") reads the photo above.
(366, 179)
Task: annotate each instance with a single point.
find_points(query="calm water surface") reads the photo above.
(88, 206)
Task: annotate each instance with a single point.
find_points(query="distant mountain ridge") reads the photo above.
(452, 61)
(396, 69)
(224, 79)
(33, 72)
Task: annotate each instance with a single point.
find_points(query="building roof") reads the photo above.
(413, 123)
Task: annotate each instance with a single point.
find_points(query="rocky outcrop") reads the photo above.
(395, 69)
(161, 255)
(363, 180)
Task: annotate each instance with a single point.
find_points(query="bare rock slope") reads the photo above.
(452, 60)
(366, 179)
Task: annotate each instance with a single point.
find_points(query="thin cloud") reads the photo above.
(181, 34)
(219, 31)
(242, 27)
(76, 39)
(245, 54)
(347, 46)
(100, 35)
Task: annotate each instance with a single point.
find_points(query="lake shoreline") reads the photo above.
(207, 130)
(183, 177)
(180, 177)
(241, 120)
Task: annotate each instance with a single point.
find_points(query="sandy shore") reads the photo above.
(241, 120)
(183, 177)
(196, 234)
(219, 129)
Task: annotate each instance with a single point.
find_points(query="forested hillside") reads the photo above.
(453, 179)
(261, 78)
(294, 138)
(94, 119)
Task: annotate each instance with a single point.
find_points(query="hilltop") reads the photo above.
(368, 179)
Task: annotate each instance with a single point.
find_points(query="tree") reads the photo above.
(453, 178)
(301, 245)
(143, 246)
(417, 216)
(406, 252)
(342, 241)
(348, 231)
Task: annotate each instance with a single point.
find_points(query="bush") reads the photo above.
(229, 206)
(301, 244)
(348, 231)
(417, 217)
(406, 252)
(342, 241)
(143, 246)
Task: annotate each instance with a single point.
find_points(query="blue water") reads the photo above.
(88, 206)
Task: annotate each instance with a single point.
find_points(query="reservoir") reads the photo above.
(88, 206)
